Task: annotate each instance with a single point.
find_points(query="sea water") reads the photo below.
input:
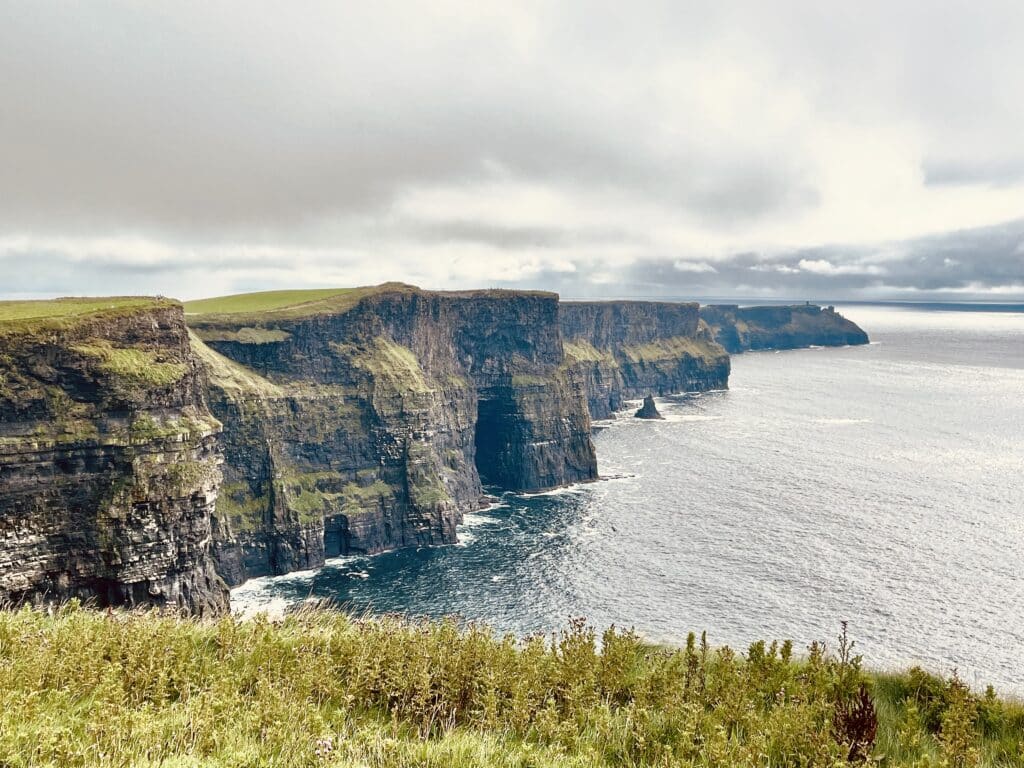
(881, 485)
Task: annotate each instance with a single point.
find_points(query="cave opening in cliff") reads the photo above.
(495, 417)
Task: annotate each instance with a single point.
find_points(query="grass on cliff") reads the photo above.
(136, 365)
(391, 365)
(60, 314)
(581, 350)
(234, 378)
(254, 307)
(264, 301)
(81, 688)
(673, 349)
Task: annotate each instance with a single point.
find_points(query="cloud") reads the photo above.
(826, 267)
(191, 148)
(693, 266)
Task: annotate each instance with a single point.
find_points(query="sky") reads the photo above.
(858, 150)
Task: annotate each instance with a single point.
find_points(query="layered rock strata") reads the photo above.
(109, 462)
(354, 421)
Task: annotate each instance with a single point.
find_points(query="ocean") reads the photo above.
(880, 485)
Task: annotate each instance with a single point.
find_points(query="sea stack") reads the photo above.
(648, 411)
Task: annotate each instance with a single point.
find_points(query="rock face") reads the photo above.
(109, 462)
(624, 350)
(739, 329)
(649, 410)
(369, 419)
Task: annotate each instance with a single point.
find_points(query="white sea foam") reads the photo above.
(568, 489)
(670, 416)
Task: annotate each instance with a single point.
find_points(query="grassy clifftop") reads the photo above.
(62, 314)
(283, 305)
(82, 688)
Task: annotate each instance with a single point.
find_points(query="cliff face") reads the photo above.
(109, 463)
(629, 349)
(365, 421)
(739, 329)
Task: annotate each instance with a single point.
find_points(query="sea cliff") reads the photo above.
(367, 420)
(152, 454)
(740, 329)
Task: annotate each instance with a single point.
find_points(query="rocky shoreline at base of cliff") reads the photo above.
(152, 454)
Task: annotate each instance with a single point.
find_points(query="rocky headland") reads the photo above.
(367, 420)
(155, 454)
(797, 326)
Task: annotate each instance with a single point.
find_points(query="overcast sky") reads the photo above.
(838, 150)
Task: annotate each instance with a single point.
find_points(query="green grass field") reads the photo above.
(281, 304)
(264, 301)
(84, 688)
(70, 307)
(58, 314)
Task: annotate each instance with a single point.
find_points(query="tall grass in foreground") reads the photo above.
(320, 688)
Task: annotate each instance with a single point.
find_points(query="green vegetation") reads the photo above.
(82, 688)
(61, 314)
(186, 477)
(671, 349)
(315, 494)
(309, 494)
(581, 350)
(360, 498)
(145, 428)
(247, 335)
(286, 305)
(229, 375)
(139, 366)
(389, 363)
(237, 504)
(264, 301)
